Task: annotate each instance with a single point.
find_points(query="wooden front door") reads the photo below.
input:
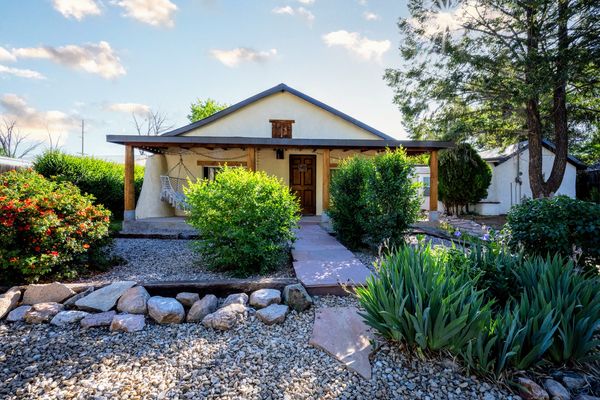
(303, 181)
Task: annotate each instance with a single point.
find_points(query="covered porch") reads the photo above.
(305, 165)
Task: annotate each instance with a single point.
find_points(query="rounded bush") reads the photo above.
(464, 178)
(46, 228)
(245, 220)
(556, 225)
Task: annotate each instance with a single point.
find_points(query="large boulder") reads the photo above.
(200, 309)
(134, 301)
(70, 302)
(42, 312)
(297, 297)
(273, 314)
(529, 390)
(226, 317)
(54, 292)
(265, 297)
(64, 318)
(105, 298)
(166, 310)
(8, 301)
(236, 298)
(97, 320)
(18, 314)
(128, 323)
(187, 299)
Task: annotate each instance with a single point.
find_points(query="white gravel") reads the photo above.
(162, 260)
(189, 361)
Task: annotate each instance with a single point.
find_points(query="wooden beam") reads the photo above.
(326, 176)
(251, 163)
(209, 163)
(433, 181)
(129, 185)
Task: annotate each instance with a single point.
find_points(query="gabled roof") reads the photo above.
(498, 157)
(276, 89)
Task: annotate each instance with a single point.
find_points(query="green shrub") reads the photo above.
(556, 225)
(374, 199)
(392, 198)
(418, 299)
(245, 220)
(464, 178)
(102, 179)
(347, 207)
(46, 228)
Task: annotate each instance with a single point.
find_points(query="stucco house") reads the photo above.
(510, 177)
(281, 131)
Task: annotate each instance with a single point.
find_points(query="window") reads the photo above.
(210, 172)
(426, 185)
(281, 128)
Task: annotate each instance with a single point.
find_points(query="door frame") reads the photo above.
(314, 184)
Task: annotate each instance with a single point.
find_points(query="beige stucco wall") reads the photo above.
(311, 122)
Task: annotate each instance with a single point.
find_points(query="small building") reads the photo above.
(9, 164)
(280, 131)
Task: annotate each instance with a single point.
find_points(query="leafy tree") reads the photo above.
(464, 178)
(496, 71)
(205, 108)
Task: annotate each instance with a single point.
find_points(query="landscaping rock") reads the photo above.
(556, 390)
(226, 317)
(134, 301)
(8, 301)
(265, 297)
(64, 318)
(18, 314)
(202, 308)
(573, 381)
(54, 292)
(586, 397)
(42, 312)
(273, 314)
(529, 390)
(297, 297)
(165, 310)
(70, 302)
(128, 323)
(105, 298)
(187, 299)
(96, 320)
(236, 298)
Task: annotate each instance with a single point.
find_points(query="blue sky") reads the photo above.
(100, 60)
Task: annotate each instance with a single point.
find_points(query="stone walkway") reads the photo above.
(322, 263)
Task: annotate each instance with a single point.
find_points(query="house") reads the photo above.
(510, 177)
(281, 131)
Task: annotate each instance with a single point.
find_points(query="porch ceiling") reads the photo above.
(158, 143)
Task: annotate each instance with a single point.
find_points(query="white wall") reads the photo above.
(312, 122)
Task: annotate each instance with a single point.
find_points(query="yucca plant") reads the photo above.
(420, 300)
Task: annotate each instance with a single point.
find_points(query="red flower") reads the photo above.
(54, 253)
(86, 246)
(37, 248)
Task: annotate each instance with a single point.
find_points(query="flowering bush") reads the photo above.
(46, 227)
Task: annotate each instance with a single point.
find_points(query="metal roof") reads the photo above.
(499, 158)
(275, 89)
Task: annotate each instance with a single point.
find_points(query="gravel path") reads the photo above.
(189, 361)
(158, 259)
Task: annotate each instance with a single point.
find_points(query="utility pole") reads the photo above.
(82, 135)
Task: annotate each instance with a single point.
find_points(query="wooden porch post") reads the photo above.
(251, 161)
(433, 182)
(129, 213)
(326, 177)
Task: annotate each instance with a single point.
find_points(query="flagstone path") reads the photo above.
(323, 264)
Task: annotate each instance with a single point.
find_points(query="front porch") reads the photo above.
(158, 227)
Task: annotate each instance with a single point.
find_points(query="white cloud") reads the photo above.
(36, 124)
(6, 55)
(21, 73)
(77, 9)
(152, 12)
(300, 11)
(130, 108)
(94, 58)
(370, 16)
(306, 2)
(363, 47)
(234, 57)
